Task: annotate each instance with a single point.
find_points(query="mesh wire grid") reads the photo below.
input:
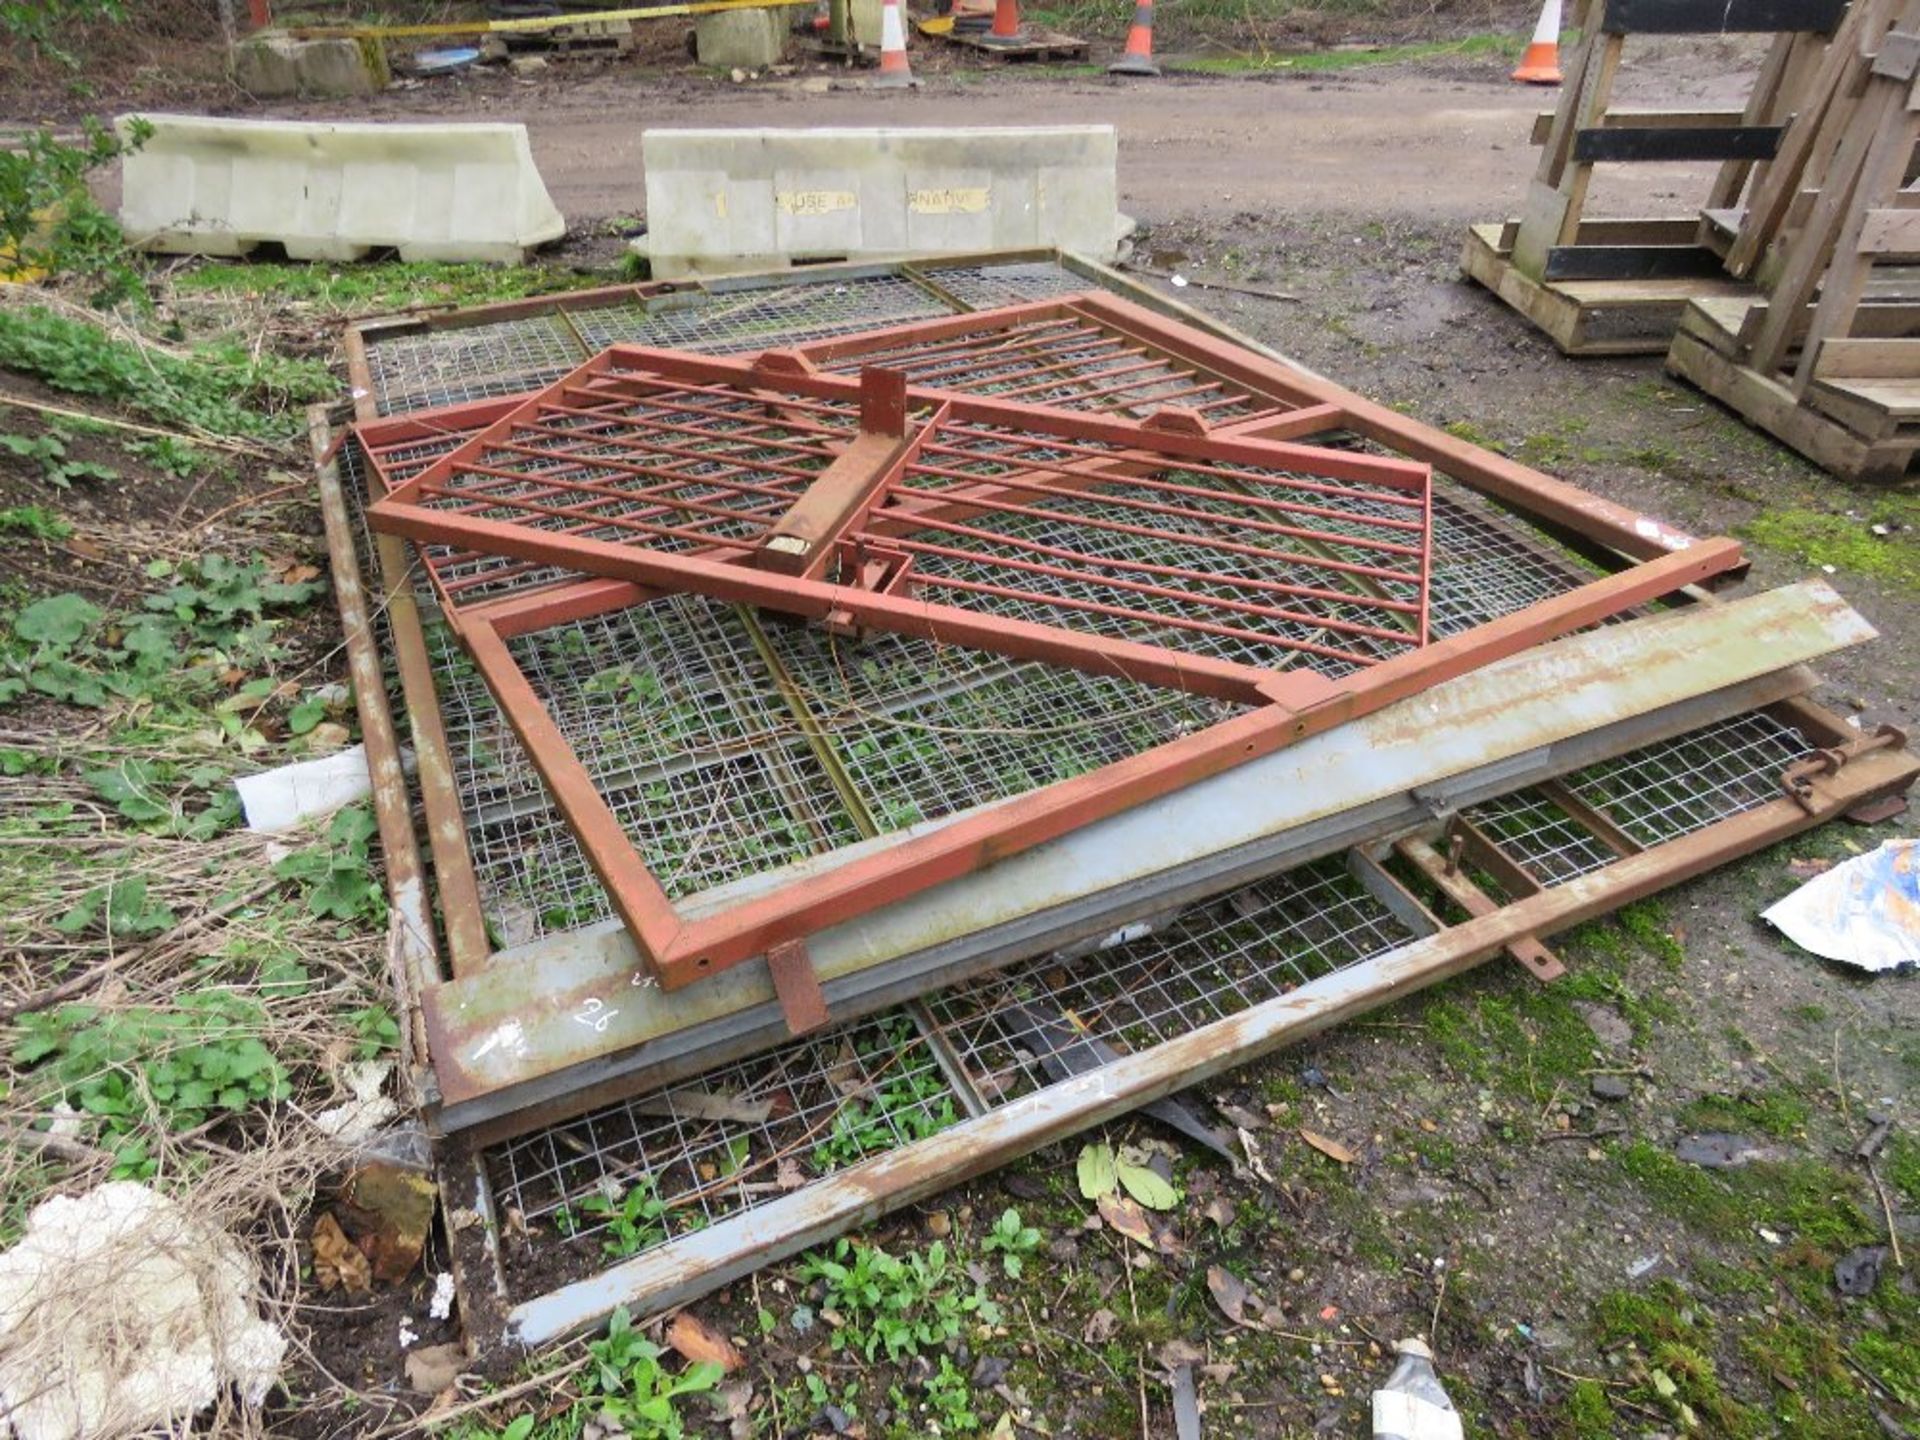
(729, 747)
(878, 1082)
(658, 460)
(907, 750)
(1212, 961)
(1249, 564)
(723, 320)
(1669, 790)
(1061, 361)
(985, 287)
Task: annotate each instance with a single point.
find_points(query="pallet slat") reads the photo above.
(1641, 144)
(1631, 262)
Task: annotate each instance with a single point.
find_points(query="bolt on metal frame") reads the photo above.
(750, 481)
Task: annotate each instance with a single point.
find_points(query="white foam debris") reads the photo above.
(441, 1306)
(360, 1116)
(120, 1311)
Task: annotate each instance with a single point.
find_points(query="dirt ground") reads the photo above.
(1576, 1280)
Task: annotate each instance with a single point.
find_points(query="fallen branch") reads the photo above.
(201, 438)
(94, 974)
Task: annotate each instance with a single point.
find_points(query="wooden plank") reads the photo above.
(1778, 90)
(1897, 399)
(1868, 360)
(1891, 232)
(1803, 161)
(1881, 174)
(1679, 142)
(1626, 119)
(1770, 406)
(1720, 17)
(1631, 262)
(1651, 308)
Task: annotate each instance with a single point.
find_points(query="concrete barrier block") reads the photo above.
(747, 39)
(335, 191)
(273, 65)
(720, 201)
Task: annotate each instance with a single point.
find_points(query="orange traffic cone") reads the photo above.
(895, 73)
(1006, 25)
(1541, 64)
(1138, 59)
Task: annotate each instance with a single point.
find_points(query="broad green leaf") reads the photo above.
(1097, 1171)
(58, 620)
(1146, 1186)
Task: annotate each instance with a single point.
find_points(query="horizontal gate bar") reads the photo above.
(1720, 17)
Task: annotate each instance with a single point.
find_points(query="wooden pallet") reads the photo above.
(1618, 287)
(1594, 317)
(1858, 429)
(1030, 45)
(1829, 361)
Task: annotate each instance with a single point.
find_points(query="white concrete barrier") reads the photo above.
(335, 191)
(730, 200)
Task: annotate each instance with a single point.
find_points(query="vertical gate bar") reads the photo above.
(416, 959)
(1597, 821)
(948, 1059)
(468, 945)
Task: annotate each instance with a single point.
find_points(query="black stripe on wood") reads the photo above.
(1632, 142)
(1718, 17)
(1632, 262)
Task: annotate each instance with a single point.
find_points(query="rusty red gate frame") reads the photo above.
(838, 497)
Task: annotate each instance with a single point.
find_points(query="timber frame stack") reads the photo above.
(1828, 361)
(1618, 286)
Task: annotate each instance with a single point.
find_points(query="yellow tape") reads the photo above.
(532, 25)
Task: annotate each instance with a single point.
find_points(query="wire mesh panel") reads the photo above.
(985, 287)
(1666, 791)
(629, 1177)
(1250, 563)
(745, 1132)
(635, 455)
(437, 367)
(922, 730)
(1060, 359)
(1539, 836)
(729, 317)
(1254, 552)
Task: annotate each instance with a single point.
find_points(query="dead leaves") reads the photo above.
(1327, 1146)
(699, 1343)
(1121, 1213)
(338, 1263)
(1237, 1301)
(1229, 1292)
(1125, 1214)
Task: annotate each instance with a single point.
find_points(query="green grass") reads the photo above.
(1500, 48)
(1847, 541)
(379, 285)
